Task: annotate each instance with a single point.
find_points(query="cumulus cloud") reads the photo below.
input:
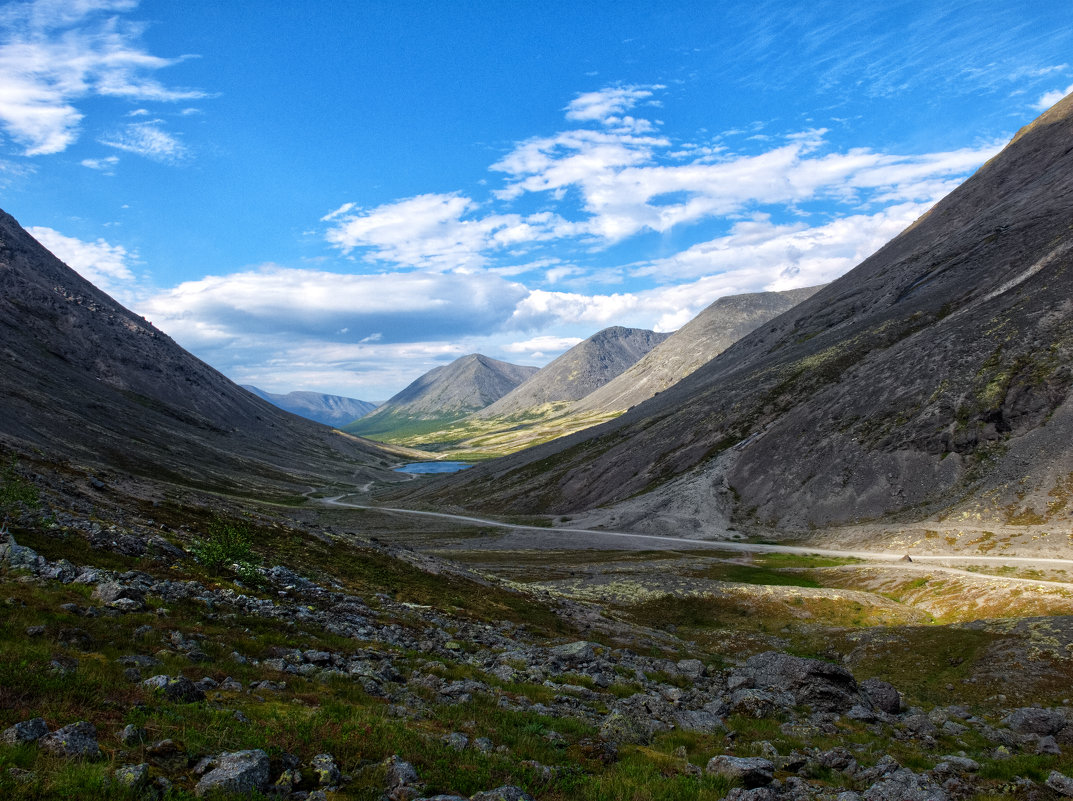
(1049, 99)
(106, 266)
(436, 231)
(54, 53)
(538, 346)
(407, 307)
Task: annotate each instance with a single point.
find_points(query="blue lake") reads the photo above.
(433, 467)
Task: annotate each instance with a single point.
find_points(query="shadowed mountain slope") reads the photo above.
(700, 340)
(445, 393)
(584, 368)
(85, 379)
(332, 410)
(933, 377)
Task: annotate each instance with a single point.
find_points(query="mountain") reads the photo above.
(704, 337)
(932, 379)
(332, 410)
(584, 368)
(84, 379)
(444, 394)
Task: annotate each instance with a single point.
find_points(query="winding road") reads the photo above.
(921, 562)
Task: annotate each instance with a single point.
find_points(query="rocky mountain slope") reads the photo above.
(700, 340)
(584, 368)
(332, 410)
(934, 378)
(82, 378)
(445, 393)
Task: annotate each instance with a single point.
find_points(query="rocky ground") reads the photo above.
(354, 668)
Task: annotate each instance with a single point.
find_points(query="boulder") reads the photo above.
(1033, 720)
(325, 772)
(904, 785)
(28, 731)
(883, 696)
(236, 772)
(176, 688)
(823, 686)
(748, 771)
(1060, 783)
(506, 793)
(78, 740)
(135, 777)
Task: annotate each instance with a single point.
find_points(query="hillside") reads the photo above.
(443, 394)
(332, 410)
(84, 379)
(583, 369)
(700, 340)
(932, 379)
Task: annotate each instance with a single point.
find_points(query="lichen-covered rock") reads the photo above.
(1060, 783)
(236, 772)
(624, 728)
(506, 793)
(176, 688)
(325, 772)
(401, 779)
(133, 776)
(131, 735)
(27, 731)
(749, 771)
(904, 785)
(76, 740)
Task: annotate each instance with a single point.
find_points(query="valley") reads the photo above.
(814, 546)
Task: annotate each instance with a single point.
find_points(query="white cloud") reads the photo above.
(105, 164)
(436, 231)
(1049, 99)
(607, 106)
(104, 265)
(148, 139)
(539, 345)
(384, 308)
(54, 53)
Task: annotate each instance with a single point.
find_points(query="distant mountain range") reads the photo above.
(584, 368)
(84, 379)
(332, 410)
(594, 381)
(934, 378)
(700, 340)
(442, 395)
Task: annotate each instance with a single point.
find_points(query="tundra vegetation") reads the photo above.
(210, 648)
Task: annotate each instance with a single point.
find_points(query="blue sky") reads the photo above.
(340, 196)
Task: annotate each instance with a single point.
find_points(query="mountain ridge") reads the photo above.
(916, 384)
(578, 372)
(331, 410)
(84, 378)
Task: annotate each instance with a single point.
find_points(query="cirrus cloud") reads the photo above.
(55, 53)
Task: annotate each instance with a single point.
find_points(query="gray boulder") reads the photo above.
(883, 696)
(324, 770)
(1032, 720)
(1060, 783)
(77, 740)
(176, 688)
(904, 785)
(823, 686)
(506, 793)
(133, 776)
(748, 771)
(28, 731)
(236, 772)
